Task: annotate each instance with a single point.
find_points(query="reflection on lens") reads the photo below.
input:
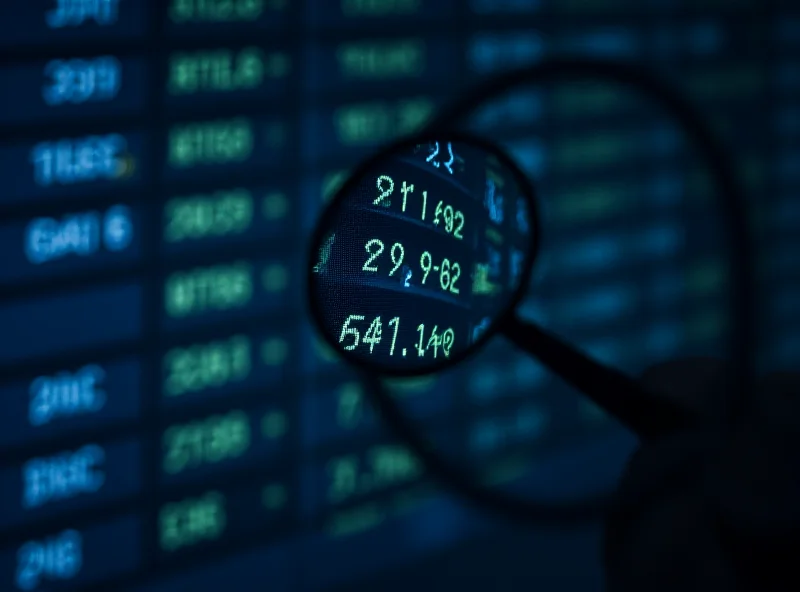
(421, 254)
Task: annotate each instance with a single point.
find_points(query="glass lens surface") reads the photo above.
(421, 253)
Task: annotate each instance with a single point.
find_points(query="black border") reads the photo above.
(355, 177)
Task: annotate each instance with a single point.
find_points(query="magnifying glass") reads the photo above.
(426, 251)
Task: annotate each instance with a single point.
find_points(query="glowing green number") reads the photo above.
(396, 322)
(425, 262)
(434, 341)
(444, 275)
(397, 258)
(454, 279)
(348, 330)
(373, 334)
(382, 200)
(374, 247)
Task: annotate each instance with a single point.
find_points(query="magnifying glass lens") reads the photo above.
(421, 253)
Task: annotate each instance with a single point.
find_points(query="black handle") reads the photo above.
(645, 414)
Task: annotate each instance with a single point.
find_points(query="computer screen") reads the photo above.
(170, 419)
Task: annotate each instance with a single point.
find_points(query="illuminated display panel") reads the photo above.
(166, 404)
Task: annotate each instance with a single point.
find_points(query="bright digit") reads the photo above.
(420, 348)
(396, 322)
(454, 279)
(374, 247)
(348, 330)
(459, 221)
(425, 261)
(444, 275)
(424, 203)
(448, 337)
(448, 218)
(397, 253)
(436, 213)
(382, 200)
(406, 189)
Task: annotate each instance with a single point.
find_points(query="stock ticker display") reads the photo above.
(167, 407)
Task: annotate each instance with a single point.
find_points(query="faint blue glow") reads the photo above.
(485, 382)
(608, 351)
(785, 259)
(529, 155)
(593, 254)
(788, 166)
(666, 189)
(664, 339)
(505, 6)
(488, 53)
(519, 108)
(787, 351)
(660, 240)
(705, 38)
(788, 76)
(788, 31)
(610, 42)
(665, 139)
(787, 213)
(532, 310)
(786, 305)
(667, 286)
(531, 422)
(596, 306)
(787, 121)
(528, 373)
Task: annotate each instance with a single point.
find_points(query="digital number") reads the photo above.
(426, 262)
(435, 341)
(192, 521)
(448, 272)
(79, 81)
(348, 330)
(208, 289)
(208, 441)
(218, 11)
(374, 335)
(374, 247)
(81, 160)
(382, 199)
(406, 189)
(56, 558)
(396, 322)
(207, 365)
(444, 275)
(397, 254)
(459, 221)
(211, 143)
(453, 219)
(350, 408)
(456, 273)
(343, 472)
(205, 216)
(73, 13)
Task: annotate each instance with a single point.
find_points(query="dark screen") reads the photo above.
(170, 419)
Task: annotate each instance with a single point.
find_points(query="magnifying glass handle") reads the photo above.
(645, 414)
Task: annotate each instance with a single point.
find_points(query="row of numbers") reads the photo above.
(452, 220)
(372, 337)
(449, 272)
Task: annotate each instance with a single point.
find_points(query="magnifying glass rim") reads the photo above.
(732, 203)
(368, 166)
